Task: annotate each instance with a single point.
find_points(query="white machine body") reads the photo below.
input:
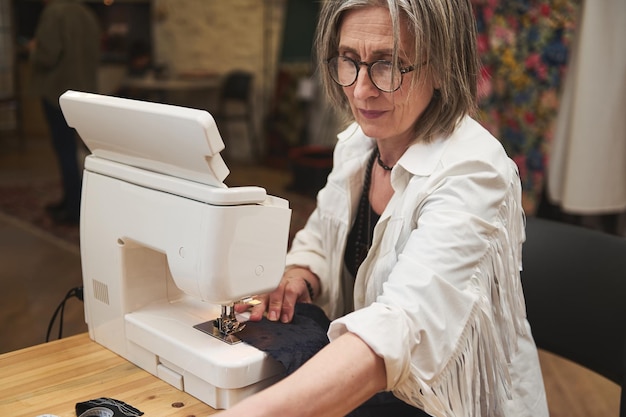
(164, 244)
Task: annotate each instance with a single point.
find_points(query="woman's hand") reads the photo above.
(281, 302)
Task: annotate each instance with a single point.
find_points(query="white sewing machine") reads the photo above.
(167, 248)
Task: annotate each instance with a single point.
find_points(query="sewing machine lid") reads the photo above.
(172, 140)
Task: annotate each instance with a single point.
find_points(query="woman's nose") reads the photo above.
(363, 86)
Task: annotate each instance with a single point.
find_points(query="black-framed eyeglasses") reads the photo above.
(386, 76)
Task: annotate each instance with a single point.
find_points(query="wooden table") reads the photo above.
(198, 93)
(51, 378)
(173, 84)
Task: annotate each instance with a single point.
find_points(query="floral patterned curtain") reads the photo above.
(524, 47)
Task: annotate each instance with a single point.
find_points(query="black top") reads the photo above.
(362, 232)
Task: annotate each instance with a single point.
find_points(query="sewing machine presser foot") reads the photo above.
(223, 327)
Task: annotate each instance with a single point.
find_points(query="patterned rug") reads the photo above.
(26, 202)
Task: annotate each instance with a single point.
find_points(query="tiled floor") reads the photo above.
(37, 270)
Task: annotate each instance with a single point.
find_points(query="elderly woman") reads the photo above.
(414, 247)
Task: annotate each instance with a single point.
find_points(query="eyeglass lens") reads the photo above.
(383, 74)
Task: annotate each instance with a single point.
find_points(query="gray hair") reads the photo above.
(445, 34)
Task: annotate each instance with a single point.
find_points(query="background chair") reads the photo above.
(235, 104)
(574, 282)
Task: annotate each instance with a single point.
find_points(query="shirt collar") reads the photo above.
(422, 158)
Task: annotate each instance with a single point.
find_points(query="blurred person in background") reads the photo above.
(65, 54)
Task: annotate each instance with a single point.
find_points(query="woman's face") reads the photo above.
(366, 35)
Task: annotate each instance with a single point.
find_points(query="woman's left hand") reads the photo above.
(280, 303)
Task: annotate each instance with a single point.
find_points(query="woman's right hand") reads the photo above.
(280, 303)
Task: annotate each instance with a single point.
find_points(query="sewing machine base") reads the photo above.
(217, 373)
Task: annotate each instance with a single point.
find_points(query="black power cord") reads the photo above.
(74, 292)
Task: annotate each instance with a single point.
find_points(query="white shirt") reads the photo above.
(439, 295)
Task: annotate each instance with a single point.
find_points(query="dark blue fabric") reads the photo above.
(292, 344)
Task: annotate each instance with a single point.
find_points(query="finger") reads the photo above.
(256, 306)
(242, 307)
(247, 304)
(275, 305)
(295, 291)
(257, 312)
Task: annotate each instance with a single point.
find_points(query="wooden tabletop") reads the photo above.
(51, 378)
(172, 84)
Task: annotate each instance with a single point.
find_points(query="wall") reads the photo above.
(210, 36)
(202, 36)
(197, 36)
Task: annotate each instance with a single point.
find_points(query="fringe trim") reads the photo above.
(476, 381)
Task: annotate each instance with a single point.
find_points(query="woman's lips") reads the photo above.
(371, 114)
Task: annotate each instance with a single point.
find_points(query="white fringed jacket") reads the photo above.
(439, 295)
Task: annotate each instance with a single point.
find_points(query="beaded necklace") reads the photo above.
(360, 238)
(381, 163)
